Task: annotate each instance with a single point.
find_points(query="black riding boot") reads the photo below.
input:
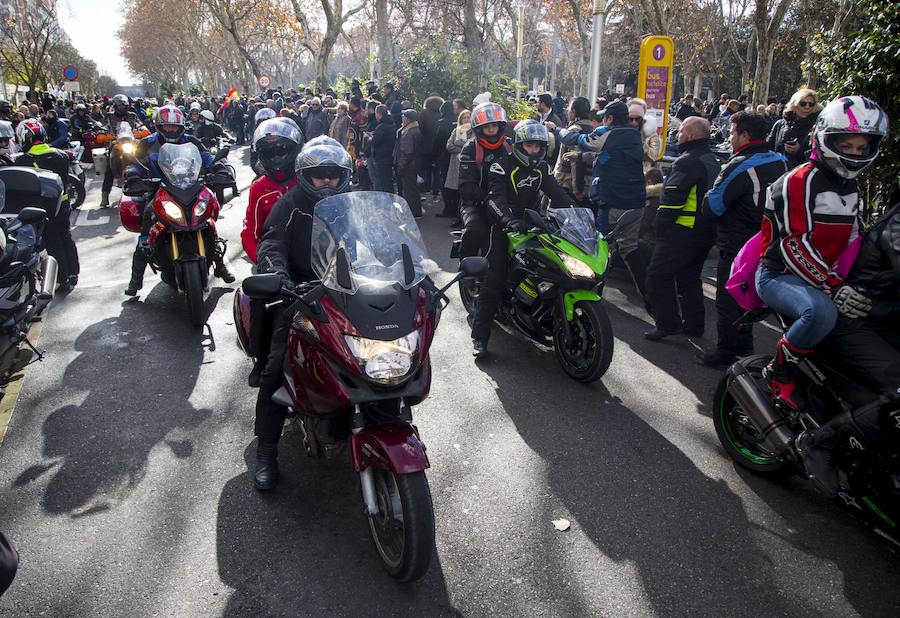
(266, 466)
(221, 271)
(138, 266)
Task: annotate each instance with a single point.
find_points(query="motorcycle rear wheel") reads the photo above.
(193, 292)
(739, 437)
(588, 356)
(403, 530)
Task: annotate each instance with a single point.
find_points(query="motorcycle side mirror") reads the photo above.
(473, 266)
(409, 270)
(262, 286)
(627, 218)
(31, 215)
(342, 270)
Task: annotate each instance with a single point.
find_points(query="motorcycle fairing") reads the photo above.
(390, 446)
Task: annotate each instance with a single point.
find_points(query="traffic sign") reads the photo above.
(70, 73)
(264, 81)
(655, 80)
(620, 88)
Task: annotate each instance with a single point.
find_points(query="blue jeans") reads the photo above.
(813, 310)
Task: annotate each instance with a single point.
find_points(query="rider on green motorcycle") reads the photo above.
(515, 182)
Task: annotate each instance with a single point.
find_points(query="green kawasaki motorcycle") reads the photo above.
(554, 288)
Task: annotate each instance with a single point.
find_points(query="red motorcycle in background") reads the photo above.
(358, 359)
(183, 239)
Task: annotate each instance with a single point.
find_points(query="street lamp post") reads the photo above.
(596, 49)
(520, 48)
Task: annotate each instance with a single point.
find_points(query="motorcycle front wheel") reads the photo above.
(586, 355)
(468, 293)
(739, 436)
(76, 191)
(403, 530)
(193, 292)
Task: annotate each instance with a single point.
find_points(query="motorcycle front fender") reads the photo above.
(573, 296)
(390, 446)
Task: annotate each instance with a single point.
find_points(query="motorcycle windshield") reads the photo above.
(123, 131)
(180, 164)
(577, 225)
(372, 228)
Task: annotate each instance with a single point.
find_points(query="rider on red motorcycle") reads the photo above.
(277, 142)
(169, 129)
(324, 169)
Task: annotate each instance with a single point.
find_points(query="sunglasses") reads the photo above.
(634, 119)
(806, 104)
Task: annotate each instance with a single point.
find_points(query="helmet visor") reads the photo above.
(531, 132)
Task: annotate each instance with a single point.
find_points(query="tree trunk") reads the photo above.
(766, 28)
(383, 36)
(698, 85)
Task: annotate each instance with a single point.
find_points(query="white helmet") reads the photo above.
(195, 106)
(208, 115)
(853, 115)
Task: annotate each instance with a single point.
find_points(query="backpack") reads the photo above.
(741, 283)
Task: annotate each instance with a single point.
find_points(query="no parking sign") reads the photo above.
(70, 73)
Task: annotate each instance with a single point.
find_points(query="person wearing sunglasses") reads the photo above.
(790, 135)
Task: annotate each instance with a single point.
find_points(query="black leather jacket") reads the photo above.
(876, 271)
(287, 235)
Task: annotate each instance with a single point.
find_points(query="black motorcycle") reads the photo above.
(759, 433)
(27, 279)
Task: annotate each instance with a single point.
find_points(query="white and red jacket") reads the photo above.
(264, 192)
(811, 216)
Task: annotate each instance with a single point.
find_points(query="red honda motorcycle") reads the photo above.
(358, 360)
(183, 240)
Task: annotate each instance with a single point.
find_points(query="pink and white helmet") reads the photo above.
(853, 115)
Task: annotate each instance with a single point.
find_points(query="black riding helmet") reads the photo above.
(534, 132)
(324, 157)
(277, 142)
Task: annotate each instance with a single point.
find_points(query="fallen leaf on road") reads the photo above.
(561, 524)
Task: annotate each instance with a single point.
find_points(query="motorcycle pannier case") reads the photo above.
(130, 214)
(26, 186)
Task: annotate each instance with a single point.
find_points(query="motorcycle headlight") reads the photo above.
(386, 362)
(128, 148)
(200, 207)
(576, 267)
(173, 212)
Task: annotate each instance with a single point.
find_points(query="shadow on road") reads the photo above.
(637, 497)
(304, 548)
(139, 370)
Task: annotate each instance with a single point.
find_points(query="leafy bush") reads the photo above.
(865, 62)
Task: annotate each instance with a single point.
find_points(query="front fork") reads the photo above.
(366, 476)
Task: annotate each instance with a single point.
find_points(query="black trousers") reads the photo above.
(673, 281)
(108, 178)
(409, 186)
(382, 176)
(270, 415)
(59, 243)
(734, 340)
(492, 286)
(451, 201)
(475, 229)
(867, 350)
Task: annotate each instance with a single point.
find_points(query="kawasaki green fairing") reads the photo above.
(571, 246)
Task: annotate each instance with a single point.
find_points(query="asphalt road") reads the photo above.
(125, 479)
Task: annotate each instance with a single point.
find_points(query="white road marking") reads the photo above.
(84, 219)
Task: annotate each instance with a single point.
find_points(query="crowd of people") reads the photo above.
(784, 171)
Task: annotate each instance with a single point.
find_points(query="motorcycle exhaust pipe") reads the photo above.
(48, 284)
(760, 408)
